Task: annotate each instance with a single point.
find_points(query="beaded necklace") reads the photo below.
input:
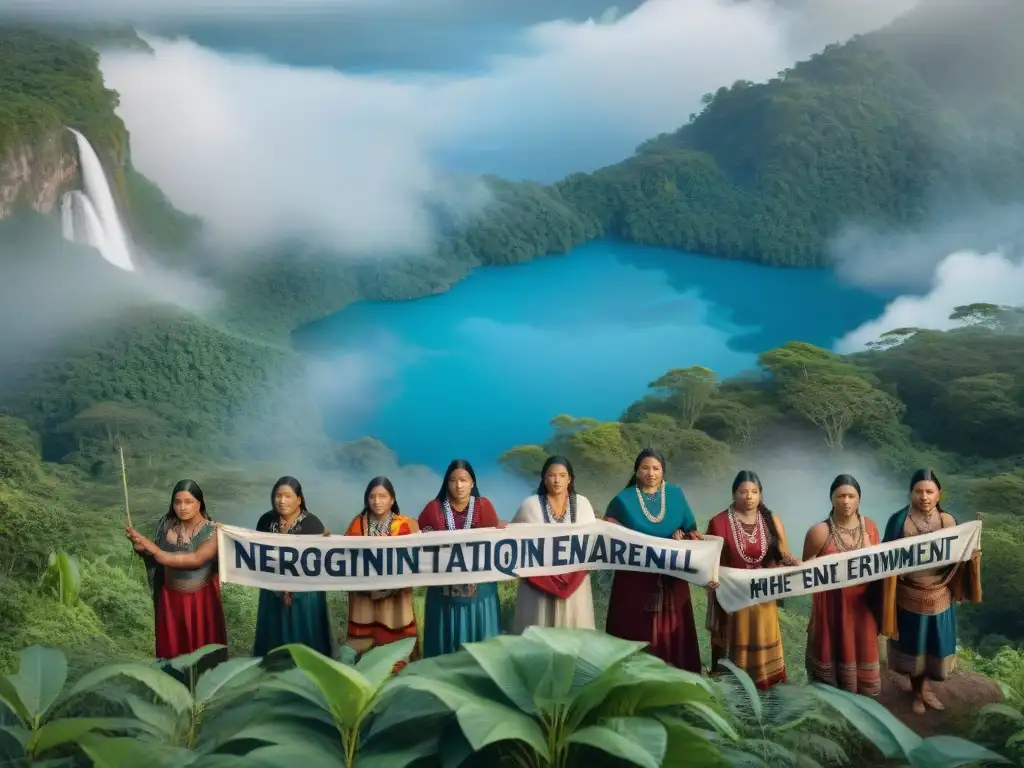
(374, 528)
(838, 531)
(449, 516)
(549, 515)
(760, 532)
(643, 507)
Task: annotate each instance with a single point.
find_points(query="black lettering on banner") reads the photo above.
(506, 556)
(456, 559)
(772, 585)
(578, 549)
(533, 553)
(558, 546)
(600, 553)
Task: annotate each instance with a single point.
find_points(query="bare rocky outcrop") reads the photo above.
(36, 174)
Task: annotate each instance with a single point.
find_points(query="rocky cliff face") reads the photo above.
(36, 174)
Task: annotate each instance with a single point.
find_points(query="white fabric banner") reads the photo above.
(294, 563)
(739, 588)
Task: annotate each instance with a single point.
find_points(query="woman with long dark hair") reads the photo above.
(649, 607)
(918, 611)
(459, 613)
(291, 617)
(555, 601)
(842, 635)
(382, 616)
(753, 538)
(181, 562)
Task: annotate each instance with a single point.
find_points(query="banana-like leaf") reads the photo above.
(1001, 710)
(229, 674)
(284, 731)
(688, 746)
(122, 752)
(582, 657)
(165, 687)
(403, 709)
(10, 699)
(347, 692)
(291, 755)
(154, 719)
(951, 752)
(642, 683)
(873, 721)
(640, 741)
(20, 735)
(483, 722)
(404, 750)
(183, 662)
(68, 729)
(63, 572)
(41, 675)
(377, 664)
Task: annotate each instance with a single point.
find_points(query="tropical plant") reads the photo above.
(327, 709)
(63, 575)
(188, 720)
(35, 697)
(558, 697)
(1004, 721)
(895, 741)
(783, 726)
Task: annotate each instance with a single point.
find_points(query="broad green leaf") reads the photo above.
(638, 740)
(687, 746)
(295, 682)
(165, 687)
(225, 675)
(223, 725)
(68, 729)
(1002, 710)
(346, 690)
(396, 756)
(157, 719)
(748, 687)
(292, 755)
(284, 732)
(377, 663)
(713, 718)
(19, 734)
(518, 667)
(403, 709)
(873, 721)
(41, 675)
(183, 662)
(123, 752)
(640, 684)
(951, 752)
(580, 657)
(10, 699)
(482, 721)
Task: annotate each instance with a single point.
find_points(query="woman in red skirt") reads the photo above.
(181, 561)
(842, 637)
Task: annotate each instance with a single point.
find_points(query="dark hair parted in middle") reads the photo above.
(646, 453)
(457, 464)
(556, 461)
(380, 482)
(774, 554)
(295, 485)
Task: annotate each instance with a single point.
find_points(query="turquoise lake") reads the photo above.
(485, 366)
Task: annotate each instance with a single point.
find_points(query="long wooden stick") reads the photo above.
(124, 484)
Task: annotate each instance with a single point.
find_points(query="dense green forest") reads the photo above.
(870, 131)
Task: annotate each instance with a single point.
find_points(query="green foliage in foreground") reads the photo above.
(550, 698)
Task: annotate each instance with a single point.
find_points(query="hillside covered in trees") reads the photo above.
(871, 131)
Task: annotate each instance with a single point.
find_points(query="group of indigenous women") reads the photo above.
(916, 612)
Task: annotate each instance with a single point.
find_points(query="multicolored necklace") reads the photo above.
(449, 516)
(549, 515)
(760, 533)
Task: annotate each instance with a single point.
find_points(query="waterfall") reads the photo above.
(90, 217)
(79, 221)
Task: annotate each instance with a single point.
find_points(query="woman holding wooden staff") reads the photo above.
(181, 562)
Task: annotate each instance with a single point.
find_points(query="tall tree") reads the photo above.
(688, 390)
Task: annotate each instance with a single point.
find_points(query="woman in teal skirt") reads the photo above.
(459, 613)
(292, 617)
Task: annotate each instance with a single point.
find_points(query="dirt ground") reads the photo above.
(963, 694)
